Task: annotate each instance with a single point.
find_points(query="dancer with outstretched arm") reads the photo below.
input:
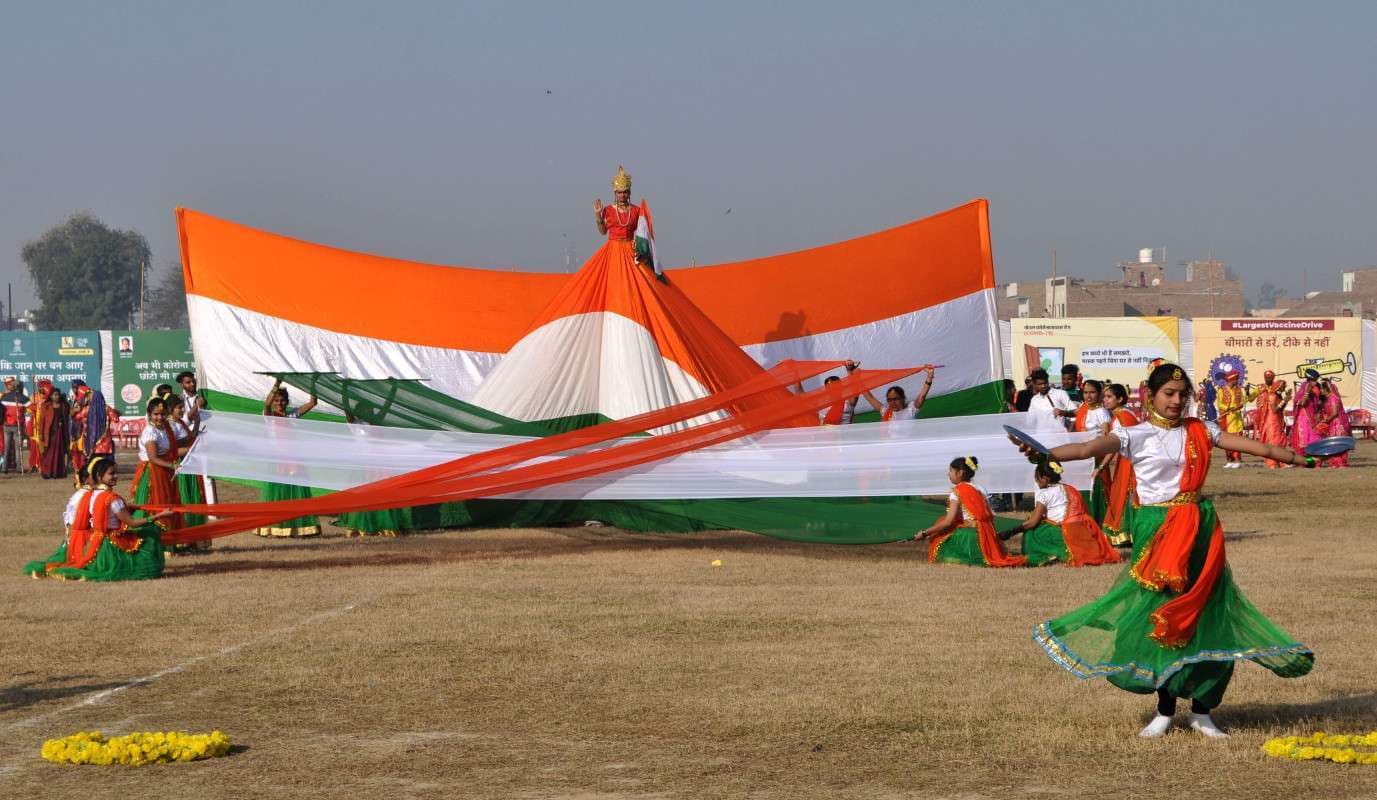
(1174, 622)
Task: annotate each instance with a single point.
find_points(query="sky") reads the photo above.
(479, 134)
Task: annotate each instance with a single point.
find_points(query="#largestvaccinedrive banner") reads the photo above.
(144, 359)
(1113, 349)
(59, 356)
(1332, 346)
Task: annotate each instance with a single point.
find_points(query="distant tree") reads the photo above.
(1268, 294)
(166, 303)
(86, 273)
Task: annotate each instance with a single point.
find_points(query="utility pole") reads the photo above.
(143, 267)
(9, 307)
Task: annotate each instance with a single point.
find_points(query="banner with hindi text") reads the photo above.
(144, 359)
(1332, 346)
(59, 356)
(1111, 349)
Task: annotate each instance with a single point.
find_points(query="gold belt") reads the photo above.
(1182, 499)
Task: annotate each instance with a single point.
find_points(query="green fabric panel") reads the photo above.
(987, 398)
(234, 404)
(1109, 637)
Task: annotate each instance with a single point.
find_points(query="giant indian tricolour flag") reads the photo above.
(919, 293)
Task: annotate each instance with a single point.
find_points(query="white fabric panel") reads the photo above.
(107, 367)
(1185, 331)
(895, 458)
(594, 363)
(1370, 365)
(961, 335)
(232, 343)
(1006, 342)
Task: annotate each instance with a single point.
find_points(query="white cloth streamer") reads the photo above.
(869, 460)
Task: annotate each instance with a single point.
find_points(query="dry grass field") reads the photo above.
(590, 663)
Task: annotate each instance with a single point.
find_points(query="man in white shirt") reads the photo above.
(1048, 405)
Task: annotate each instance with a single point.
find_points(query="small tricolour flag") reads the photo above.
(645, 241)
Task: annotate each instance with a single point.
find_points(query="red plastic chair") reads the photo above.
(1360, 419)
(129, 430)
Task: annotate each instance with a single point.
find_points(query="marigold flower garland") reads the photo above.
(1321, 746)
(135, 749)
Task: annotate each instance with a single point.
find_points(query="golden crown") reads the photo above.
(622, 180)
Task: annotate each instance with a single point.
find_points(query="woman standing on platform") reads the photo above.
(276, 404)
(1174, 622)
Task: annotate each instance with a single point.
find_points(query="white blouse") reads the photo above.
(155, 435)
(69, 516)
(1096, 419)
(113, 521)
(1054, 499)
(181, 431)
(1159, 458)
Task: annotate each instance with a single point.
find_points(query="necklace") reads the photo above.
(1160, 423)
(617, 210)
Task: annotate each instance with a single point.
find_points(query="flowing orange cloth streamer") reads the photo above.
(780, 375)
(1085, 541)
(974, 506)
(1165, 562)
(468, 478)
(1124, 483)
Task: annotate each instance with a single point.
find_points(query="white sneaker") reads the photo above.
(1203, 724)
(1157, 728)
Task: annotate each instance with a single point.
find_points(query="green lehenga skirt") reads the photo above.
(389, 522)
(1108, 638)
(301, 526)
(1045, 544)
(1098, 501)
(111, 562)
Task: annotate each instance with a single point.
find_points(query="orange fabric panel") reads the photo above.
(827, 288)
(357, 293)
(897, 271)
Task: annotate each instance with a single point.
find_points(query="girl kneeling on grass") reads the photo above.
(966, 534)
(1174, 622)
(116, 546)
(1060, 528)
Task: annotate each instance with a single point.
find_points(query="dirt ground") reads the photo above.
(596, 664)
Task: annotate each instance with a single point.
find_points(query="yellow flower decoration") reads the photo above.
(135, 749)
(1321, 746)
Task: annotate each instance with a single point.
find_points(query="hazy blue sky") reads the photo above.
(425, 130)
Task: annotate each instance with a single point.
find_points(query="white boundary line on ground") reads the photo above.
(105, 694)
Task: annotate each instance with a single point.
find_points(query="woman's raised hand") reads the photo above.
(597, 206)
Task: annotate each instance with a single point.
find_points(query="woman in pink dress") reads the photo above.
(1308, 404)
(1334, 419)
